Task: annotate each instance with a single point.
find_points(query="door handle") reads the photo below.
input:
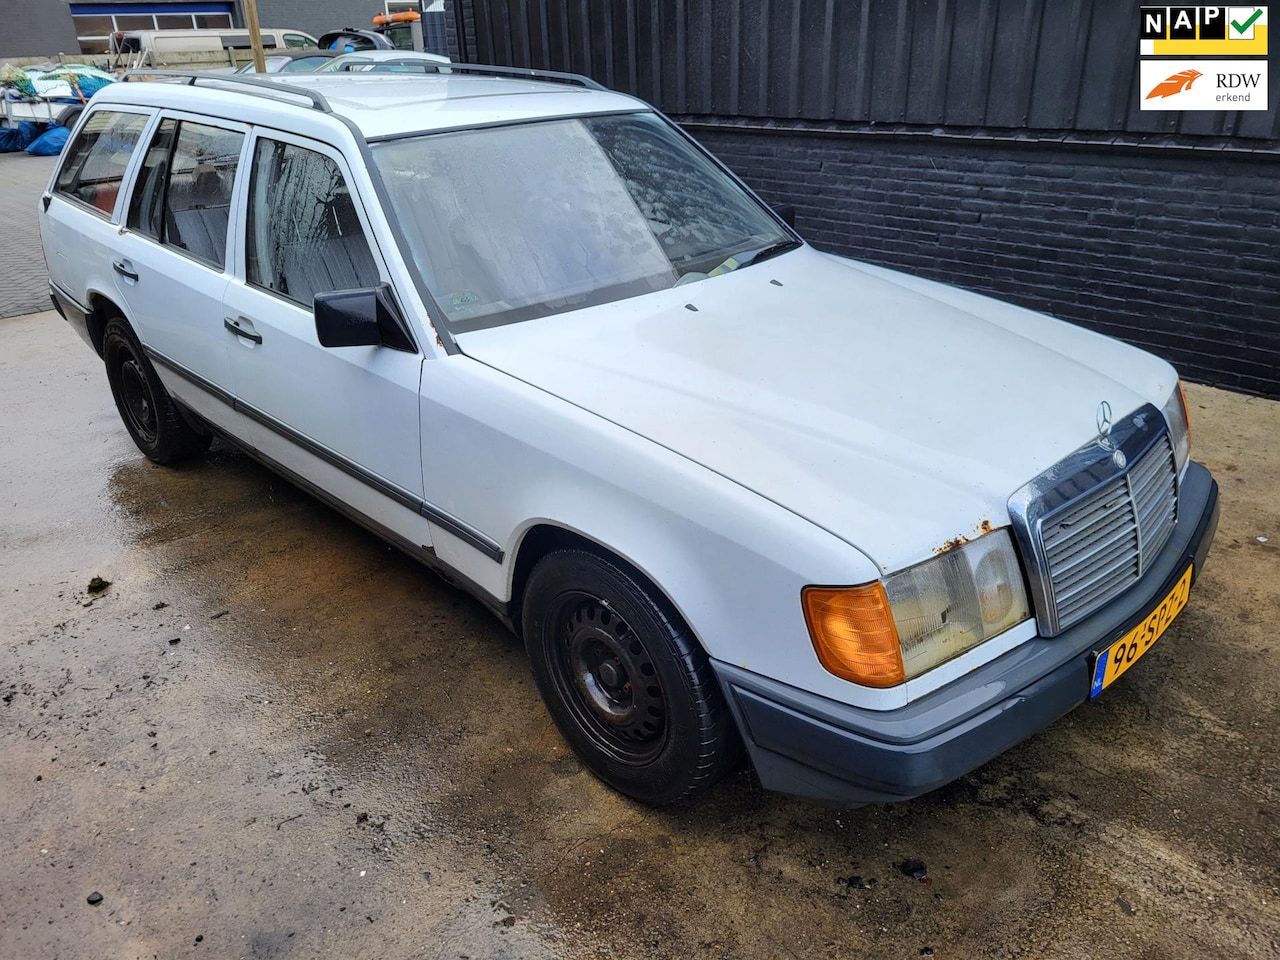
(241, 327)
(119, 267)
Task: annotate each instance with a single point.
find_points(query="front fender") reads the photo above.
(505, 457)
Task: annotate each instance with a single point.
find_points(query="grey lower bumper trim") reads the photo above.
(817, 748)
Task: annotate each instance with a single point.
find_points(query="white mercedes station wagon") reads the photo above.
(731, 491)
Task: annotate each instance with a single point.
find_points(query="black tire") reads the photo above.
(68, 117)
(149, 413)
(625, 680)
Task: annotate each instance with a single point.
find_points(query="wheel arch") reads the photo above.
(544, 537)
(102, 310)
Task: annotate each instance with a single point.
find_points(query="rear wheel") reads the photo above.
(624, 680)
(149, 413)
(69, 115)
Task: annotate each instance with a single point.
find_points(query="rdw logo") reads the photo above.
(1175, 84)
(1203, 84)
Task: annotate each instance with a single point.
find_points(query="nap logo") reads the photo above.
(1203, 31)
(1203, 84)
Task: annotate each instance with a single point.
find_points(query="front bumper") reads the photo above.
(809, 746)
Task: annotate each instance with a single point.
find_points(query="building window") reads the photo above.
(96, 22)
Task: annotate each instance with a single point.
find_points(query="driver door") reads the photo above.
(342, 419)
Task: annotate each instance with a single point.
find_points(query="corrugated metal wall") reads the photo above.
(1038, 65)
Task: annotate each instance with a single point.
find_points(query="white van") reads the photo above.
(160, 42)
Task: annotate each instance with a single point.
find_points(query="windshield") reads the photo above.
(515, 222)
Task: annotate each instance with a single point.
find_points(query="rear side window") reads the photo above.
(183, 194)
(95, 164)
(303, 234)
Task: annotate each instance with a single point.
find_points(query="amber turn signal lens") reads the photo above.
(853, 633)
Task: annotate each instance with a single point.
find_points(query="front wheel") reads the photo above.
(149, 413)
(624, 680)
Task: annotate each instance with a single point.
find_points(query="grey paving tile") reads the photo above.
(24, 282)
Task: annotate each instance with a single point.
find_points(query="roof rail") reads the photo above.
(528, 73)
(260, 87)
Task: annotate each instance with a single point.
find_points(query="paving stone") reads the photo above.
(24, 282)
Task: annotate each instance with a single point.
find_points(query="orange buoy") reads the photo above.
(404, 16)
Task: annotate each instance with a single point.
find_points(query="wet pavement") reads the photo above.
(274, 736)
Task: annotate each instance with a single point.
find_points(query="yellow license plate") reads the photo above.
(1124, 653)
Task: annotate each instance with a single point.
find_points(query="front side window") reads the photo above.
(296, 41)
(303, 235)
(183, 194)
(510, 223)
(95, 164)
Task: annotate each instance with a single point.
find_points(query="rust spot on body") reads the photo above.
(984, 527)
(959, 540)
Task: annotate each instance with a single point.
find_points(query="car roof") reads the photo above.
(380, 105)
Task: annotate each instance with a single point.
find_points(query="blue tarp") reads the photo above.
(13, 139)
(49, 143)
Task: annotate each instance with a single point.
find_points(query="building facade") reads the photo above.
(46, 28)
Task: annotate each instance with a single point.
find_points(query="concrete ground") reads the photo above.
(274, 736)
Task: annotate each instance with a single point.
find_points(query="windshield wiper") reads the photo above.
(738, 261)
(773, 250)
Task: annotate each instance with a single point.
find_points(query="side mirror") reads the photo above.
(365, 317)
(787, 212)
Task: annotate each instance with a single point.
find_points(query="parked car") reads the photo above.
(301, 61)
(384, 61)
(730, 490)
(349, 39)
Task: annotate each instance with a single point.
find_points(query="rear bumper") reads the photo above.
(823, 750)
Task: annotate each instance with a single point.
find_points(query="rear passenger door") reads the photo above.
(172, 256)
(344, 419)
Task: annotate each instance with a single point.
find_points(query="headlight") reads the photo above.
(883, 633)
(1179, 423)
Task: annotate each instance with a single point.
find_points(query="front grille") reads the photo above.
(1097, 545)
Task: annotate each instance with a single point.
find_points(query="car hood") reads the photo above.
(896, 413)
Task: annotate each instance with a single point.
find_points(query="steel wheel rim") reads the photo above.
(137, 400)
(607, 678)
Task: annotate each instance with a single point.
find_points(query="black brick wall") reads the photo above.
(1176, 253)
(461, 49)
